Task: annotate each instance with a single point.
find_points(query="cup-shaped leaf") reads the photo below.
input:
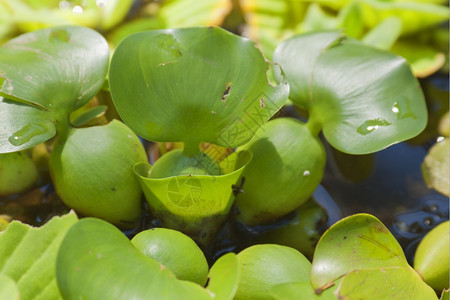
(265, 266)
(93, 172)
(432, 257)
(193, 204)
(363, 98)
(61, 68)
(97, 261)
(176, 251)
(287, 165)
(193, 85)
(354, 243)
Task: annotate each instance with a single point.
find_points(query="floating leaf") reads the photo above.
(28, 256)
(300, 290)
(61, 68)
(97, 261)
(8, 288)
(354, 243)
(431, 260)
(167, 84)
(18, 173)
(384, 35)
(435, 167)
(365, 99)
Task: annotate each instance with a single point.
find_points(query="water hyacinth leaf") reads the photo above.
(300, 290)
(8, 288)
(354, 243)
(28, 254)
(431, 260)
(435, 167)
(23, 126)
(97, 261)
(384, 283)
(193, 204)
(265, 266)
(167, 84)
(363, 98)
(113, 12)
(445, 295)
(297, 56)
(224, 277)
(61, 68)
(175, 251)
(18, 173)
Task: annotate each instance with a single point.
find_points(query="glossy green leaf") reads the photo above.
(18, 173)
(351, 19)
(286, 168)
(113, 12)
(8, 288)
(176, 251)
(357, 242)
(435, 167)
(384, 283)
(92, 172)
(445, 295)
(298, 62)
(384, 35)
(265, 266)
(365, 99)
(80, 119)
(28, 256)
(23, 126)
(193, 204)
(61, 68)
(168, 84)
(431, 260)
(97, 261)
(224, 277)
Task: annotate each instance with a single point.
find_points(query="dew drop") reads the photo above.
(402, 108)
(306, 173)
(372, 125)
(440, 139)
(25, 134)
(77, 9)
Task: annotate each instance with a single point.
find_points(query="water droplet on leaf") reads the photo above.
(402, 108)
(306, 173)
(25, 134)
(371, 125)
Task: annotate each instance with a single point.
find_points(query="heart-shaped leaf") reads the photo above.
(169, 84)
(61, 68)
(97, 261)
(28, 256)
(354, 243)
(363, 98)
(435, 167)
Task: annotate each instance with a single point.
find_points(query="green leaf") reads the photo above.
(97, 261)
(365, 99)
(297, 57)
(113, 12)
(167, 84)
(265, 266)
(28, 256)
(23, 126)
(8, 288)
(61, 68)
(174, 250)
(224, 277)
(193, 204)
(435, 167)
(354, 243)
(18, 173)
(384, 35)
(431, 260)
(384, 283)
